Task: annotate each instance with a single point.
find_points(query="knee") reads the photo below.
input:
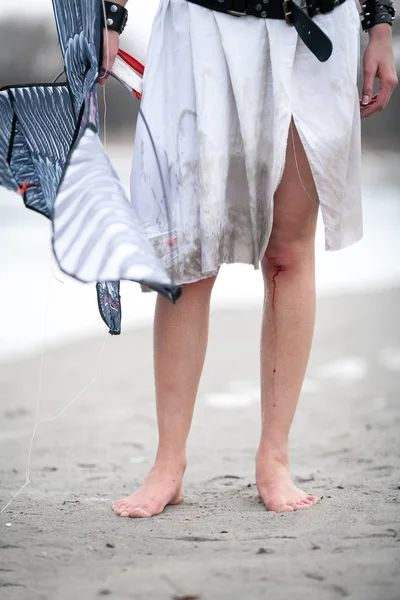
(287, 255)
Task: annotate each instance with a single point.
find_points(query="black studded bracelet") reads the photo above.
(114, 16)
(375, 12)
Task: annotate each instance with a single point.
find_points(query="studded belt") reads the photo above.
(298, 16)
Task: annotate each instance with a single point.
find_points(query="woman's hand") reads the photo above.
(378, 63)
(110, 50)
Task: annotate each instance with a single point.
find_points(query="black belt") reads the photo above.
(301, 18)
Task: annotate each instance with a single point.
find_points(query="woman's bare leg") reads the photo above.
(288, 324)
(180, 342)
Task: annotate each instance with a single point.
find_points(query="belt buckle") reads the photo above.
(287, 11)
(236, 13)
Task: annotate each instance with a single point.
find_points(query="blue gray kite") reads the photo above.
(50, 152)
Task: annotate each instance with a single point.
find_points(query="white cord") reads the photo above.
(39, 393)
(297, 166)
(50, 419)
(53, 263)
(105, 73)
(104, 118)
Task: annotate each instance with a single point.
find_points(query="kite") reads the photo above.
(51, 154)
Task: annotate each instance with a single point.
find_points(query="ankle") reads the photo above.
(170, 462)
(273, 452)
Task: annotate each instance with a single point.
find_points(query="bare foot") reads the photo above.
(276, 489)
(161, 487)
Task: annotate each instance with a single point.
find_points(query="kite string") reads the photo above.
(50, 419)
(53, 262)
(58, 76)
(105, 118)
(39, 393)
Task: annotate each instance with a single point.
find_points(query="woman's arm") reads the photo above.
(378, 63)
(110, 48)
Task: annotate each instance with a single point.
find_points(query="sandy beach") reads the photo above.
(59, 539)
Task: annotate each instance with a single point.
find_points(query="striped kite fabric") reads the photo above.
(50, 152)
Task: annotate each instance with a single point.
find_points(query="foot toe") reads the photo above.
(286, 508)
(125, 508)
(304, 503)
(302, 506)
(313, 500)
(140, 513)
(279, 507)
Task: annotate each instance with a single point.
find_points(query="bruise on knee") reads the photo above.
(273, 265)
(287, 256)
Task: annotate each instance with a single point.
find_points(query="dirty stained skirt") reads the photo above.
(219, 96)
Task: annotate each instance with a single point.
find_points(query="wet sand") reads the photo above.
(59, 539)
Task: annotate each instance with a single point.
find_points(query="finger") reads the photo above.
(104, 72)
(386, 89)
(107, 64)
(369, 110)
(367, 107)
(102, 76)
(368, 87)
(373, 99)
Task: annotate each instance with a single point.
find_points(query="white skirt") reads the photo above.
(219, 95)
